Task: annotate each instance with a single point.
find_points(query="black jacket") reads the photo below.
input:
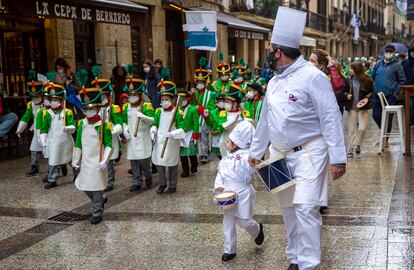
(363, 93)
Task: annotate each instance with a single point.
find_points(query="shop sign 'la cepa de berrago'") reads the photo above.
(76, 12)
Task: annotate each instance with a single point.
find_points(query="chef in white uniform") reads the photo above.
(235, 174)
(300, 118)
(159, 134)
(93, 173)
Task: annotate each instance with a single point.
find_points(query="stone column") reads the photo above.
(159, 43)
(60, 42)
(107, 53)
(242, 49)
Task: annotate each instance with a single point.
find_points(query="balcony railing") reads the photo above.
(317, 22)
(264, 8)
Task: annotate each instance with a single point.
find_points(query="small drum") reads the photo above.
(226, 199)
(362, 103)
(277, 178)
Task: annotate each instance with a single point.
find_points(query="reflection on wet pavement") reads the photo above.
(369, 224)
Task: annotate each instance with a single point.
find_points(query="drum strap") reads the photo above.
(297, 148)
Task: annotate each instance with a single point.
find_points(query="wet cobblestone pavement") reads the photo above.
(369, 224)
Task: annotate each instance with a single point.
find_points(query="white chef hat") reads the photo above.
(242, 134)
(289, 27)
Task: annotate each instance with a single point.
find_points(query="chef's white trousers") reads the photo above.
(230, 235)
(303, 224)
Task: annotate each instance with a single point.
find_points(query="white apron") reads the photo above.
(215, 141)
(35, 144)
(139, 147)
(60, 143)
(89, 178)
(310, 168)
(115, 138)
(172, 151)
(226, 133)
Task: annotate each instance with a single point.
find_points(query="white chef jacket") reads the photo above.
(235, 174)
(299, 106)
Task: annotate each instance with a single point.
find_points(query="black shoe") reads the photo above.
(96, 220)
(130, 171)
(148, 182)
(260, 238)
(50, 185)
(134, 188)
(228, 257)
(64, 170)
(194, 170)
(33, 171)
(161, 189)
(74, 178)
(45, 178)
(171, 190)
(108, 189)
(293, 266)
(323, 210)
(185, 174)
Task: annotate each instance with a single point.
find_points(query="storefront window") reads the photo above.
(84, 44)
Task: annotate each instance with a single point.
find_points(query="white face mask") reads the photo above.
(389, 55)
(228, 106)
(165, 104)
(220, 104)
(133, 99)
(250, 95)
(147, 69)
(46, 103)
(105, 101)
(90, 113)
(238, 80)
(183, 102)
(37, 100)
(61, 70)
(55, 104)
(200, 86)
(225, 78)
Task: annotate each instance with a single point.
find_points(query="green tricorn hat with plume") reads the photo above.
(222, 67)
(101, 83)
(34, 87)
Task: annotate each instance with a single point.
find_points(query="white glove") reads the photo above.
(101, 166)
(77, 152)
(69, 129)
(177, 134)
(169, 135)
(43, 139)
(127, 135)
(144, 117)
(206, 113)
(140, 115)
(20, 128)
(153, 132)
(117, 129)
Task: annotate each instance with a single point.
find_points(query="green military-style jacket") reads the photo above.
(190, 121)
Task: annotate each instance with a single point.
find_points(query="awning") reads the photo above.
(119, 3)
(308, 42)
(238, 23)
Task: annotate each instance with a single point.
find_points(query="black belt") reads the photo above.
(297, 148)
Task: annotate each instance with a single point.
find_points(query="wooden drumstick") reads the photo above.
(170, 126)
(138, 120)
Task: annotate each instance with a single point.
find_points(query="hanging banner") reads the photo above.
(202, 30)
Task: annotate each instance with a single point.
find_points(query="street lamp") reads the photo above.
(345, 8)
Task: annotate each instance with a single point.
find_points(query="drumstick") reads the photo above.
(170, 127)
(101, 138)
(138, 120)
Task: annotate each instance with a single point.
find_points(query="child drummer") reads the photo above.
(56, 132)
(111, 113)
(33, 107)
(162, 134)
(191, 126)
(235, 174)
(94, 146)
(137, 117)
